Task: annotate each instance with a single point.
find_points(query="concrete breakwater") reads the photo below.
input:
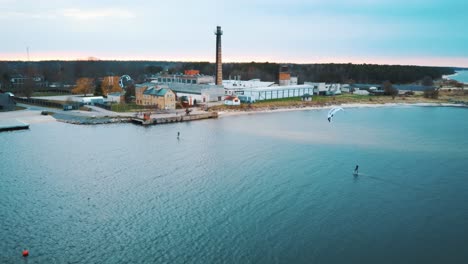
(165, 119)
(94, 121)
(174, 119)
(12, 124)
(78, 119)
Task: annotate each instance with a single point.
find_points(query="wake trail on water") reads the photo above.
(391, 182)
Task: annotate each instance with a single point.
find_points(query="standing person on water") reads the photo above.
(356, 169)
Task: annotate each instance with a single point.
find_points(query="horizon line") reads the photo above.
(253, 61)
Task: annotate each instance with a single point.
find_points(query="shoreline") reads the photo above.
(451, 77)
(352, 105)
(34, 116)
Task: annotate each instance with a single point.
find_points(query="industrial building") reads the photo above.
(237, 86)
(232, 100)
(257, 90)
(18, 81)
(193, 86)
(189, 77)
(277, 92)
(322, 88)
(117, 97)
(6, 102)
(151, 94)
(285, 78)
(198, 93)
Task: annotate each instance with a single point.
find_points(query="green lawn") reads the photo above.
(127, 107)
(38, 94)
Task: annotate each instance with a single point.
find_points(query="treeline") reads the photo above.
(68, 72)
(338, 73)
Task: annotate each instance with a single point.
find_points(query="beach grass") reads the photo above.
(127, 107)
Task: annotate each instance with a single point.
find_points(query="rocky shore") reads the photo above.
(86, 120)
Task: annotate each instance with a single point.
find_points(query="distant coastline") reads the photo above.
(460, 76)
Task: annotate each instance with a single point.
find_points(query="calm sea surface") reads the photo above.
(264, 188)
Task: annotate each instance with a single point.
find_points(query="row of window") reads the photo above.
(171, 80)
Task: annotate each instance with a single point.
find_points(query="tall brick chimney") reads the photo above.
(219, 64)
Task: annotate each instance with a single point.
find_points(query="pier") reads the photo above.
(12, 124)
(174, 119)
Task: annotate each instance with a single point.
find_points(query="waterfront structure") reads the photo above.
(306, 97)
(219, 64)
(18, 81)
(346, 88)
(198, 88)
(92, 100)
(198, 93)
(246, 99)
(115, 97)
(284, 76)
(321, 88)
(192, 72)
(187, 78)
(257, 90)
(400, 87)
(276, 92)
(232, 100)
(236, 86)
(361, 92)
(161, 96)
(6, 102)
(12, 124)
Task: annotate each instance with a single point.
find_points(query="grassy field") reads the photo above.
(296, 102)
(127, 107)
(38, 94)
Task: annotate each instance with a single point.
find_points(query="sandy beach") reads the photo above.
(355, 105)
(34, 116)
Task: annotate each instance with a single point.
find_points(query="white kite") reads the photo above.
(332, 112)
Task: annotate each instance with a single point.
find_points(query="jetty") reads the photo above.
(173, 119)
(12, 124)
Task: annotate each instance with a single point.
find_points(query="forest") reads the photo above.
(68, 72)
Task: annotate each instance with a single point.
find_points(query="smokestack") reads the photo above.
(219, 64)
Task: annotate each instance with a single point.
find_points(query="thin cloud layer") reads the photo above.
(416, 32)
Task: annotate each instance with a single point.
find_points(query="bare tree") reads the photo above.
(389, 89)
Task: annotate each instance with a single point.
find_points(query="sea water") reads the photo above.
(261, 188)
(460, 76)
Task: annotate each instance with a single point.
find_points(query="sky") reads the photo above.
(407, 32)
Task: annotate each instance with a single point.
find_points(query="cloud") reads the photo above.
(76, 13)
(23, 15)
(71, 13)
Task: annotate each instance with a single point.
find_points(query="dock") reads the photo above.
(12, 124)
(174, 119)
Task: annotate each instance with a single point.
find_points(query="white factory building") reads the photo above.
(259, 90)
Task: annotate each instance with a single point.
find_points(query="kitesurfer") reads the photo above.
(332, 112)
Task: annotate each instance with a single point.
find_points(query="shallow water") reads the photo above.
(265, 188)
(461, 76)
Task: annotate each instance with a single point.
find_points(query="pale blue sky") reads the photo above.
(430, 32)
